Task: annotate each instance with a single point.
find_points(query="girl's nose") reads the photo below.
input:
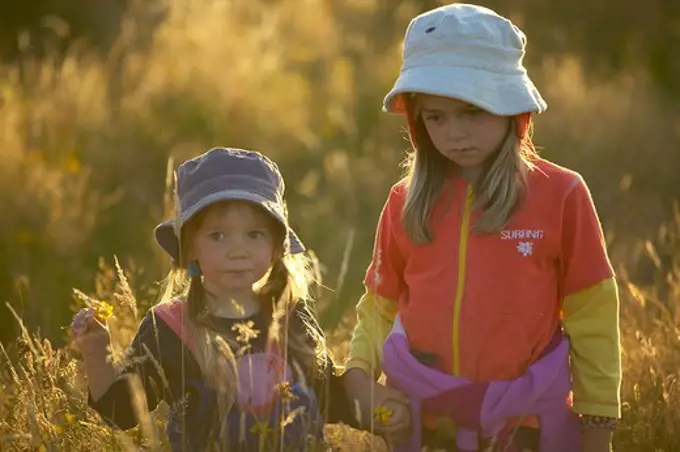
(455, 127)
(238, 247)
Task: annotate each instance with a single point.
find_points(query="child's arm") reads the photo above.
(141, 380)
(384, 283)
(591, 321)
(375, 312)
(100, 373)
(375, 317)
(591, 309)
(94, 341)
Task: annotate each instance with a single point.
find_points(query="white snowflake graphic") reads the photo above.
(525, 248)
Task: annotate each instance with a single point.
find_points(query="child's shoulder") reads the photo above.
(171, 310)
(161, 329)
(554, 178)
(173, 313)
(398, 192)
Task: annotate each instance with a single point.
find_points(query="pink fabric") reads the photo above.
(543, 391)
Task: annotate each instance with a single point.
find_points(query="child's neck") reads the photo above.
(470, 173)
(232, 305)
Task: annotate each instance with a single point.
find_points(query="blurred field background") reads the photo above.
(98, 99)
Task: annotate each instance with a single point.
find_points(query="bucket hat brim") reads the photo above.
(167, 236)
(502, 94)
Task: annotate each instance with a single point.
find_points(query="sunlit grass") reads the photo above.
(43, 398)
(86, 143)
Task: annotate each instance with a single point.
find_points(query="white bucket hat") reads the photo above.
(470, 53)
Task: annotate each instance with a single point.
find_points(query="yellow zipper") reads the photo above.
(462, 251)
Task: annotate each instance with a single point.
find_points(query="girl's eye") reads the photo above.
(473, 112)
(256, 234)
(436, 118)
(216, 236)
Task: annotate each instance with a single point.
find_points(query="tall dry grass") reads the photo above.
(84, 149)
(43, 401)
(43, 396)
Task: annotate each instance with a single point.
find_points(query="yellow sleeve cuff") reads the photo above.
(591, 320)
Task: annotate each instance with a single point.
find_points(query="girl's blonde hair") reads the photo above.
(499, 190)
(285, 291)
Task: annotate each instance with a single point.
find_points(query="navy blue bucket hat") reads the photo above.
(224, 174)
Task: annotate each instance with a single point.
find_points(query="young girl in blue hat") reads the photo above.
(490, 296)
(232, 347)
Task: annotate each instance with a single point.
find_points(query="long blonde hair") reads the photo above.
(499, 190)
(285, 291)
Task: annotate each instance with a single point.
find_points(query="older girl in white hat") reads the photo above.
(491, 304)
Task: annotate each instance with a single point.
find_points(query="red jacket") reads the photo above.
(486, 306)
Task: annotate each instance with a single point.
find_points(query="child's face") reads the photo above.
(234, 247)
(461, 132)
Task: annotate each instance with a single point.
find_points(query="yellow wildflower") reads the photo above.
(261, 428)
(285, 391)
(382, 415)
(246, 331)
(102, 311)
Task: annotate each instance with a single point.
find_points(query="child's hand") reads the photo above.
(391, 414)
(90, 332)
(386, 407)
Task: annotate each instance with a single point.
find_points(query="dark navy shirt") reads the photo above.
(193, 422)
